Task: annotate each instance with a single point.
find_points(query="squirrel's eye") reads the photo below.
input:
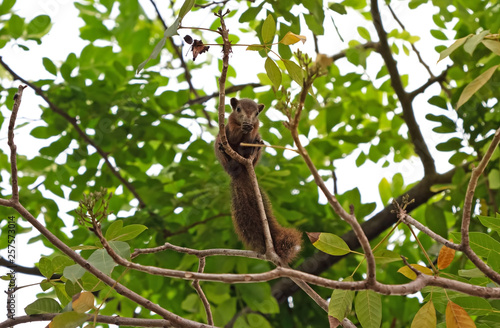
(238, 109)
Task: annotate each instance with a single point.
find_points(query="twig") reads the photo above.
(433, 79)
(79, 130)
(409, 220)
(201, 294)
(199, 253)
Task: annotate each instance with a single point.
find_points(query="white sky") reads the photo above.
(64, 38)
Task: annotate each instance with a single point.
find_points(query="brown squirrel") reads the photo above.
(243, 126)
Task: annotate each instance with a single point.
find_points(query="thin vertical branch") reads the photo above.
(13, 148)
(247, 162)
(349, 218)
(201, 294)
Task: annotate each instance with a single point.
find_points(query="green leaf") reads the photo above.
(172, 30)
(258, 297)
(451, 144)
(129, 232)
(439, 35)
(6, 5)
(368, 307)
(494, 46)
(43, 305)
(73, 272)
(384, 188)
(436, 220)
(295, 71)
(329, 243)
(49, 66)
(471, 273)
(341, 303)
(494, 179)
(448, 51)
(490, 222)
(438, 101)
(268, 29)
(16, 26)
(273, 72)
(383, 256)
(68, 320)
(38, 26)
(425, 317)
(44, 132)
(480, 243)
(60, 262)
(473, 41)
(252, 320)
(475, 305)
(113, 229)
(45, 267)
(186, 7)
(363, 32)
(475, 85)
(337, 7)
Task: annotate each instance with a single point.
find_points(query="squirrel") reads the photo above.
(243, 126)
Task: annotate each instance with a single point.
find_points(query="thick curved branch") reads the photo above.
(79, 130)
(406, 101)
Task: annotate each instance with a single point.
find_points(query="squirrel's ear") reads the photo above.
(234, 103)
(261, 107)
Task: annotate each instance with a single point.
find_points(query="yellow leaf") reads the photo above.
(408, 273)
(292, 38)
(446, 256)
(425, 317)
(457, 317)
(82, 302)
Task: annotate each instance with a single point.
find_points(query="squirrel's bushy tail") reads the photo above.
(248, 223)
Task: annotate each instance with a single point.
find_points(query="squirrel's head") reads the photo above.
(246, 112)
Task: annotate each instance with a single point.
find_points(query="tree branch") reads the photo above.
(199, 253)
(381, 221)
(119, 288)
(201, 294)
(406, 102)
(247, 162)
